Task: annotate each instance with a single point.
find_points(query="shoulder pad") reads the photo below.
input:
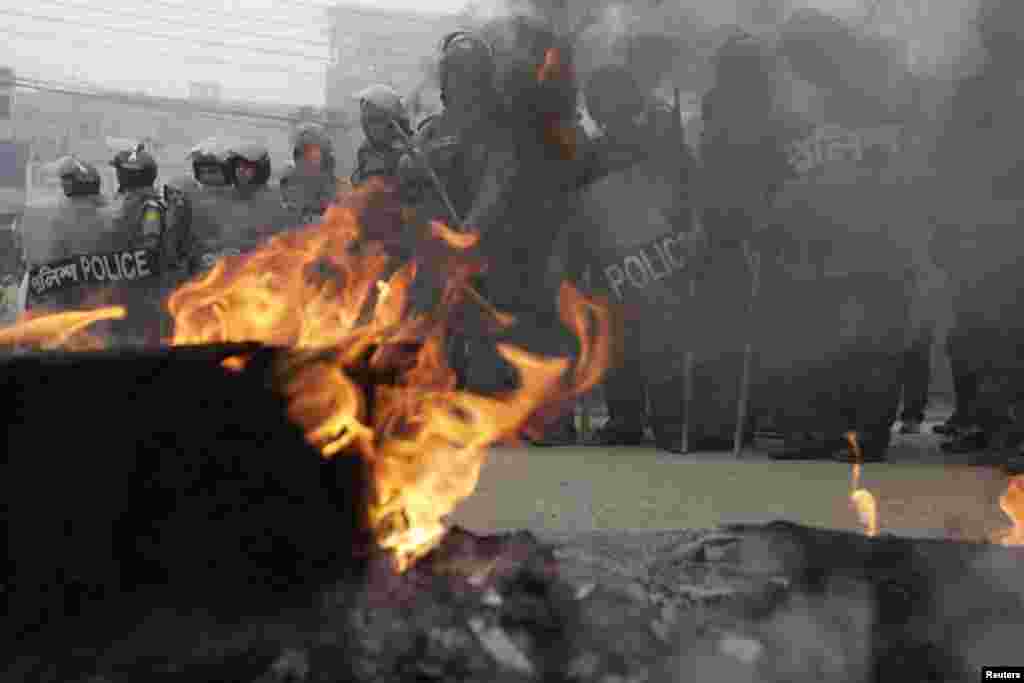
(152, 210)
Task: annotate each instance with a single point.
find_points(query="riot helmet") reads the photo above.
(248, 165)
(78, 177)
(135, 168)
(208, 164)
(743, 58)
(998, 25)
(614, 98)
(312, 148)
(466, 69)
(747, 68)
(380, 110)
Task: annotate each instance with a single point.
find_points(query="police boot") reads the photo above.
(621, 432)
(967, 440)
(560, 433)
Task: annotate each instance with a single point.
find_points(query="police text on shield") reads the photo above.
(658, 259)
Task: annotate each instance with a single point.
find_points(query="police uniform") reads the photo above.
(62, 228)
(638, 236)
(225, 222)
(381, 110)
(140, 221)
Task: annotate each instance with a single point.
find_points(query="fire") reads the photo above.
(862, 499)
(558, 133)
(59, 330)
(1012, 504)
(331, 292)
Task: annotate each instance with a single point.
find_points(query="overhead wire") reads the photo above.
(234, 16)
(167, 103)
(179, 22)
(177, 56)
(136, 31)
(408, 16)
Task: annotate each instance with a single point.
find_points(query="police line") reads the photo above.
(128, 265)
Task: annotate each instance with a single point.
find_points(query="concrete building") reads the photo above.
(368, 46)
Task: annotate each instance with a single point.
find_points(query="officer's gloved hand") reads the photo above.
(412, 170)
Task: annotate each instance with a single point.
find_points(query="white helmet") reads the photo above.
(383, 97)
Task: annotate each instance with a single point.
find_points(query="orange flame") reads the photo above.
(326, 288)
(64, 330)
(1012, 504)
(862, 499)
(556, 132)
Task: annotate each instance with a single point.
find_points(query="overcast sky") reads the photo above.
(258, 50)
(265, 50)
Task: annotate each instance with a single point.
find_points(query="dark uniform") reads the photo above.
(310, 186)
(140, 221)
(440, 174)
(977, 240)
(231, 208)
(744, 161)
(637, 237)
(503, 178)
(381, 110)
(78, 224)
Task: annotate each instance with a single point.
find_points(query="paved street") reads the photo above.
(920, 490)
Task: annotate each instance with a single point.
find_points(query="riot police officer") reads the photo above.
(79, 223)
(380, 112)
(231, 207)
(309, 186)
(744, 161)
(440, 175)
(508, 177)
(140, 211)
(140, 221)
(640, 159)
(449, 143)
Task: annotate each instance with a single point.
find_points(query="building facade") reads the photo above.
(369, 46)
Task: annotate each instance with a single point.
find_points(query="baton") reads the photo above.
(754, 261)
(688, 361)
(584, 402)
(462, 359)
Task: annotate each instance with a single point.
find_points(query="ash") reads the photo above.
(778, 603)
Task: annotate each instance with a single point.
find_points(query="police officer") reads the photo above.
(449, 143)
(257, 214)
(231, 206)
(309, 186)
(380, 112)
(634, 163)
(440, 175)
(498, 131)
(140, 221)
(139, 209)
(744, 159)
(80, 222)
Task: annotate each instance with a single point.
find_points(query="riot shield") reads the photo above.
(642, 248)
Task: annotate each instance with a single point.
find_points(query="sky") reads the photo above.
(272, 51)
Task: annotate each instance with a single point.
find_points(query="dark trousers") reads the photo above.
(917, 372)
(626, 396)
(965, 380)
